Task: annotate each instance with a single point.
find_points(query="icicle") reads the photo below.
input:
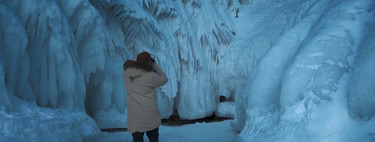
(361, 93)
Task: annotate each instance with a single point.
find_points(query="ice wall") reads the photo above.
(361, 91)
(51, 67)
(100, 56)
(13, 54)
(5, 101)
(188, 53)
(68, 54)
(298, 89)
(299, 70)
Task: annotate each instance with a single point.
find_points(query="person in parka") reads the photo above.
(141, 79)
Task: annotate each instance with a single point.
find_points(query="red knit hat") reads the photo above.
(144, 57)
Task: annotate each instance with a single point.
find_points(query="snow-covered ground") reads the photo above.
(198, 132)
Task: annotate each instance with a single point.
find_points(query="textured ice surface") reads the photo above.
(28, 122)
(297, 90)
(298, 70)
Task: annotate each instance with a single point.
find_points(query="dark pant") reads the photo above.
(153, 135)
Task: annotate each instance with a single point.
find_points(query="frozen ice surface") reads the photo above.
(226, 109)
(110, 119)
(361, 98)
(5, 102)
(28, 122)
(298, 89)
(208, 132)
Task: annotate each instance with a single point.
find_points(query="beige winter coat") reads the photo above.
(143, 113)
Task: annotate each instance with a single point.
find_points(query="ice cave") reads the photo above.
(277, 70)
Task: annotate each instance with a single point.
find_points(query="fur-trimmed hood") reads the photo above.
(139, 65)
(135, 69)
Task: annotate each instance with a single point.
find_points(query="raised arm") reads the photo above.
(158, 78)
